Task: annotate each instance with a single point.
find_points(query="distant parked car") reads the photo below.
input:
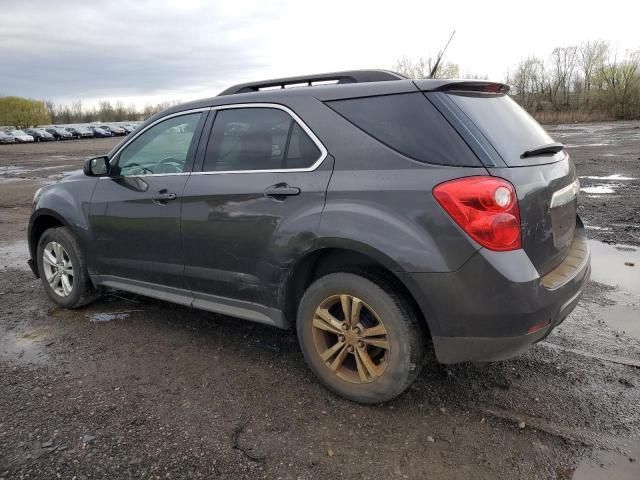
(40, 134)
(128, 128)
(114, 129)
(6, 138)
(20, 136)
(80, 132)
(59, 133)
(100, 132)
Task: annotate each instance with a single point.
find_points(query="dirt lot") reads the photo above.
(131, 387)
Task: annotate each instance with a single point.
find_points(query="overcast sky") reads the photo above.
(146, 51)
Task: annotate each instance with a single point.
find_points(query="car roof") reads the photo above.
(359, 83)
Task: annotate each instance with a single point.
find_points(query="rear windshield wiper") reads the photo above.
(549, 148)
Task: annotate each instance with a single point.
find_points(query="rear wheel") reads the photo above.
(63, 270)
(361, 339)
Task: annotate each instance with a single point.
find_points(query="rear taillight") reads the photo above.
(486, 208)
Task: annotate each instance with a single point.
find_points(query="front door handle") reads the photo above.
(281, 190)
(163, 196)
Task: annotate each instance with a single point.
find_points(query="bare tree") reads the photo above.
(622, 81)
(563, 64)
(76, 111)
(421, 67)
(591, 57)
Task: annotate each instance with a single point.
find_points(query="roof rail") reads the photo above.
(350, 76)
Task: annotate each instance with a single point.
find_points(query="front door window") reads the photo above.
(162, 149)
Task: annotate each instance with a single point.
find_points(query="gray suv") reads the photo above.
(370, 212)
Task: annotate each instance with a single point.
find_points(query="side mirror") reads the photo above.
(96, 167)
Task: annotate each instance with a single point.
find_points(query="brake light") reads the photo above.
(486, 208)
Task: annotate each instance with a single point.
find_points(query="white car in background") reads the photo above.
(20, 136)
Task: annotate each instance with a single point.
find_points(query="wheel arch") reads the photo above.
(40, 222)
(345, 256)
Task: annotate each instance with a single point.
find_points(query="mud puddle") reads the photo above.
(623, 465)
(619, 266)
(18, 171)
(108, 317)
(613, 177)
(610, 184)
(616, 265)
(598, 190)
(23, 347)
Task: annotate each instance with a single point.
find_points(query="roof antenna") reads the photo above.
(440, 55)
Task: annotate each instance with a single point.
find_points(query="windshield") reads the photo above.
(510, 129)
(17, 132)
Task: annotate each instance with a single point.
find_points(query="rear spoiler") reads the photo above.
(442, 85)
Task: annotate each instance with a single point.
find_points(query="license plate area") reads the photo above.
(563, 214)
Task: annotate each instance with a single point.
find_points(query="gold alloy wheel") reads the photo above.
(350, 338)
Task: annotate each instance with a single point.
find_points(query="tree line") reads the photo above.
(24, 113)
(104, 111)
(590, 81)
(585, 82)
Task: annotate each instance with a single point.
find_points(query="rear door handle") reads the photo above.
(162, 197)
(281, 190)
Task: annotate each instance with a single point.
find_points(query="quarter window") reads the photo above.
(302, 152)
(258, 139)
(163, 148)
(408, 123)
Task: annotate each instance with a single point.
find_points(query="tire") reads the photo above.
(82, 291)
(397, 356)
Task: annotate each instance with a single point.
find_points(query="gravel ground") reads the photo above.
(136, 388)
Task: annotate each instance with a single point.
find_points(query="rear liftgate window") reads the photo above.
(409, 124)
(506, 125)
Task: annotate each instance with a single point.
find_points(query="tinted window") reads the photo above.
(163, 148)
(409, 124)
(302, 151)
(506, 125)
(257, 139)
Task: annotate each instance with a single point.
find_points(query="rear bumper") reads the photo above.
(492, 349)
(496, 306)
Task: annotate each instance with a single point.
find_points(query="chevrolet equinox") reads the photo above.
(370, 212)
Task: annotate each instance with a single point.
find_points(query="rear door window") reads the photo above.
(408, 123)
(509, 128)
(248, 138)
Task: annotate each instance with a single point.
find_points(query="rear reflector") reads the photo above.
(486, 208)
(538, 326)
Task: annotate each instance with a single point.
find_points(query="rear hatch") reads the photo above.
(520, 151)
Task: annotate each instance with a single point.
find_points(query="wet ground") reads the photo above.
(132, 387)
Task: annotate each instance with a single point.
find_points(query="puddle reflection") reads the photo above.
(25, 348)
(609, 265)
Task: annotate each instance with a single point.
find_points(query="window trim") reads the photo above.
(294, 116)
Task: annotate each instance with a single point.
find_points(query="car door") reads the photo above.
(256, 202)
(135, 212)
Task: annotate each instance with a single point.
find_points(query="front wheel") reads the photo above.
(63, 270)
(361, 339)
